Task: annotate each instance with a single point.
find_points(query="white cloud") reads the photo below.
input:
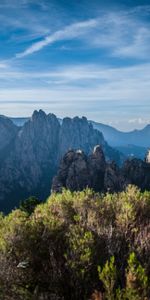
(3, 65)
(82, 82)
(140, 121)
(130, 79)
(122, 33)
(140, 46)
(69, 32)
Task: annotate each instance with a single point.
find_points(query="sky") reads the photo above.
(76, 57)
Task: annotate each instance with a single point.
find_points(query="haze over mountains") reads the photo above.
(118, 138)
(134, 143)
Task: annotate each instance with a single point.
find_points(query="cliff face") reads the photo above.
(31, 161)
(77, 133)
(138, 173)
(7, 132)
(78, 171)
(34, 153)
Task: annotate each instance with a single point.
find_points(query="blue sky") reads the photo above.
(74, 57)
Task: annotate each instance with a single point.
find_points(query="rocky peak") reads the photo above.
(114, 179)
(138, 173)
(78, 171)
(33, 159)
(38, 115)
(77, 133)
(98, 153)
(94, 172)
(97, 165)
(73, 172)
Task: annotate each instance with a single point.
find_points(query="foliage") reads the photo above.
(29, 204)
(53, 250)
(108, 276)
(136, 285)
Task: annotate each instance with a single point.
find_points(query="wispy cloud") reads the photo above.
(106, 68)
(69, 32)
(84, 82)
(3, 65)
(122, 33)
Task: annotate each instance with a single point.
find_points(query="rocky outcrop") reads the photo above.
(73, 173)
(78, 171)
(34, 153)
(114, 180)
(137, 172)
(97, 167)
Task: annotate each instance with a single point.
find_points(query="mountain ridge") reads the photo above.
(115, 137)
(78, 171)
(32, 159)
(112, 135)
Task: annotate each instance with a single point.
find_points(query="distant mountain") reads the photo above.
(117, 138)
(130, 142)
(132, 151)
(35, 150)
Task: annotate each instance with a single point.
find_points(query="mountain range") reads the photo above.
(78, 170)
(115, 137)
(31, 150)
(132, 144)
(30, 154)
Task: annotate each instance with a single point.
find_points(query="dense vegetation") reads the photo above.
(78, 245)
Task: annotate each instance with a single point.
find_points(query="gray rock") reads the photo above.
(78, 171)
(35, 150)
(114, 180)
(138, 173)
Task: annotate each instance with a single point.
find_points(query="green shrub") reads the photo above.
(108, 276)
(136, 285)
(52, 251)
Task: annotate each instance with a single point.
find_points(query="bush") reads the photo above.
(54, 251)
(136, 284)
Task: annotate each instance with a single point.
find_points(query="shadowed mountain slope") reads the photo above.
(32, 159)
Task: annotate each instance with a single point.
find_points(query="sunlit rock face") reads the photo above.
(35, 150)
